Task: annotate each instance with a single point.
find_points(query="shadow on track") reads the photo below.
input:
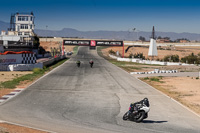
(150, 121)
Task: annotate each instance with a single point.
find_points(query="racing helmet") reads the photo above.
(146, 102)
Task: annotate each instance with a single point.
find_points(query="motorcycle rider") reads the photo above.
(137, 111)
(78, 62)
(134, 106)
(91, 63)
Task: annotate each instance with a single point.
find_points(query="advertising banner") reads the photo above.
(92, 43)
(11, 59)
(109, 43)
(77, 42)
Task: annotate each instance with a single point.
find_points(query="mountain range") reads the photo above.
(118, 35)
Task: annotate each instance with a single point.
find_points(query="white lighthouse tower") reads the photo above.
(153, 48)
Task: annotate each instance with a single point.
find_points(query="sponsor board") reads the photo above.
(77, 42)
(109, 43)
(92, 43)
(11, 59)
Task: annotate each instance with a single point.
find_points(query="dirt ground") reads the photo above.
(48, 45)
(181, 51)
(186, 90)
(10, 128)
(7, 75)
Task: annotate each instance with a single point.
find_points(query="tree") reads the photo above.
(36, 41)
(41, 50)
(142, 38)
(178, 40)
(173, 58)
(191, 59)
(167, 38)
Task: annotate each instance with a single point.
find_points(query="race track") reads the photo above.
(93, 100)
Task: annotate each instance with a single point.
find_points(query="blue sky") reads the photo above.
(118, 15)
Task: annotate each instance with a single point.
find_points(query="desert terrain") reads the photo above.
(185, 90)
(179, 50)
(55, 44)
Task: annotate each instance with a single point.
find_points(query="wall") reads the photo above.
(18, 59)
(11, 59)
(53, 60)
(29, 67)
(147, 61)
(1, 49)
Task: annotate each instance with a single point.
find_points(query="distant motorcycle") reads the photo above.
(138, 111)
(91, 63)
(78, 63)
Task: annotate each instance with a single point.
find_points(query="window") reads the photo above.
(22, 18)
(19, 33)
(24, 26)
(26, 18)
(19, 18)
(31, 26)
(26, 33)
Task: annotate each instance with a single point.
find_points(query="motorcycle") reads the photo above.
(137, 113)
(91, 63)
(78, 63)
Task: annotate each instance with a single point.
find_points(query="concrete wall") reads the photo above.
(20, 67)
(148, 61)
(53, 60)
(11, 59)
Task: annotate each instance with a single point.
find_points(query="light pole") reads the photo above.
(134, 29)
(131, 30)
(137, 31)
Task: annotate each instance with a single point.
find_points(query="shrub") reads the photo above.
(190, 59)
(112, 52)
(139, 55)
(130, 55)
(155, 79)
(173, 58)
(38, 71)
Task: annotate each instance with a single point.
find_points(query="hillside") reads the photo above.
(119, 35)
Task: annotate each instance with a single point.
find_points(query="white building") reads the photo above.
(20, 36)
(22, 24)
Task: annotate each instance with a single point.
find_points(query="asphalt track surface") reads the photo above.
(93, 100)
